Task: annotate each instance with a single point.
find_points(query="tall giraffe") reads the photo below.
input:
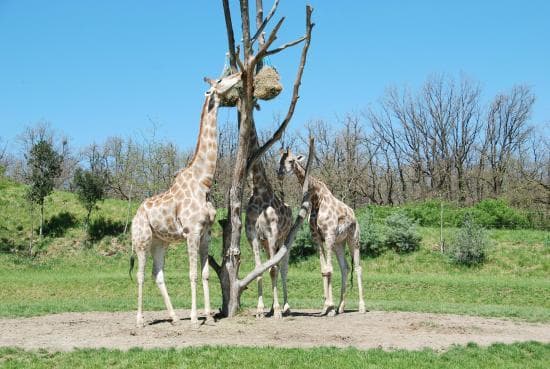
(332, 224)
(183, 211)
(268, 221)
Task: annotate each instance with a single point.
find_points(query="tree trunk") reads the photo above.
(41, 219)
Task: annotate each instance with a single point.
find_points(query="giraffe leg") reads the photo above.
(205, 273)
(322, 262)
(256, 250)
(354, 250)
(274, 273)
(141, 256)
(193, 243)
(284, 274)
(326, 271)
(344, 267)
(158, 251)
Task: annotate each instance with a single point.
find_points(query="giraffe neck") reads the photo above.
(300, 173)
(203, 164)
(260, 182)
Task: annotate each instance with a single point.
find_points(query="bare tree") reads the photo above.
(506, 131)
(246, 156)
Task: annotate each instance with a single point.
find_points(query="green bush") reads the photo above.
(497, 214)
(402, 235)
(469, 244)
(303, 245)
(373, 236)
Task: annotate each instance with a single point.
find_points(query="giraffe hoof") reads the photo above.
(362, 308)
(140, 322)
(209, 320)
(328, 310)
(277, 314)
(195, 324)
(174, 320)
(286, 309)
(341, 309)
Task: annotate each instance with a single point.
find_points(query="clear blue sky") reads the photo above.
(94, 69)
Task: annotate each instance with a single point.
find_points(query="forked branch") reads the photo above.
(287, 245)
(265, 22)
(295, 94)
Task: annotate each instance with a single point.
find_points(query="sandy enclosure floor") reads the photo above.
(303, 328)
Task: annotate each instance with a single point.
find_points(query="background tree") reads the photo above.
(45, 166)
(90, 183)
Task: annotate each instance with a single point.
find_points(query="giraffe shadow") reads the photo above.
(202, 320)
(304, 314)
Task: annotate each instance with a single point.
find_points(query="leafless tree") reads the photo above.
(228, 269)
(506, 131)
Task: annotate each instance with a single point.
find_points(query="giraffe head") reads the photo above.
(223, 85)
(287, 162)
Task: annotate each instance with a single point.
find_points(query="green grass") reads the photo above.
(519, 355)
(511, 284)
(71, 275)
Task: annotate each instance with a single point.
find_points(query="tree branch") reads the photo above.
(265, 22)
(230, 36)
(272, 37)
(245, 16)
(288, 44)
(279, 132)
(304, 210)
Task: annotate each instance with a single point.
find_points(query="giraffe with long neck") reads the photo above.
(183, 212)
(268, 221)
(332, 224)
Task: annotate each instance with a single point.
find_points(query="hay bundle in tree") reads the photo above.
(267, 85)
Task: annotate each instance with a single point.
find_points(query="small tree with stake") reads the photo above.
(45, 165)
(90, 188)
(228, 270)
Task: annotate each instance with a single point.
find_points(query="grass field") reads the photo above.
(72, 274)
(513, 283)
(521, 355)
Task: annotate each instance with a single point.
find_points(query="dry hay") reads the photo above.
(267, 86)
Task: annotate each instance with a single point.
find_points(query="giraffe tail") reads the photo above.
(132, 262)
(351, 276)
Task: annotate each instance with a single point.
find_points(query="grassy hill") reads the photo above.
(63, 225)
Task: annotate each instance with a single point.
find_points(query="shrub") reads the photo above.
(373, 236)
(469, 244)
(497, 214)
(402, 234)
(303, 245)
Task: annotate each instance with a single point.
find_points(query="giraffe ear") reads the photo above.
(281, 151)
(301, 159)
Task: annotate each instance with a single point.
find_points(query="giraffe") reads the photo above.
(332, 224)
(268, 221)
(182, 212)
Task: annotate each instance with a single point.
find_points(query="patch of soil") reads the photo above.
(302, 328)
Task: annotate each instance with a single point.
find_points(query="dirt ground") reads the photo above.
(303, 328)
